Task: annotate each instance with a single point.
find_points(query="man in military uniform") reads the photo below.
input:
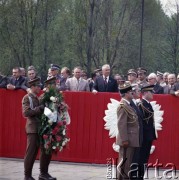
(132, 76)
(148, 127)
(142, 73)
(160, 79)
(32, 110)
(128, 132)
(134, 104)
(55, 73)
(44, 175)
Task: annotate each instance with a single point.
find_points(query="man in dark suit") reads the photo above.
(105, 83)
(148, 127)
(152, 78)
(92, 80)
(16, 81)
(3, 81)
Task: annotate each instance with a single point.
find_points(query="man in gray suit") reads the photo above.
(77, 83)
(172, 87)
(128, 132)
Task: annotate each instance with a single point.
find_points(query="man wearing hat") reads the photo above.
(31, 110)
(148, 127)
(132, 76)
(46, 158)
(54, 71)
(160, 79)
(128, 132)
(134, 104)
(142, 73)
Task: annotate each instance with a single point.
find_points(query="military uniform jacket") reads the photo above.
(128, 125)
(32, 111)
(148, 121)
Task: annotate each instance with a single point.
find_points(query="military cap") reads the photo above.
(141, 70)
(51, 80)
(54, 67)
(148, 88)
(34, 82)
(159, 74)
(125, 88)
(132, 71)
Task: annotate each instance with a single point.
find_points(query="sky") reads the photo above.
(169, 6)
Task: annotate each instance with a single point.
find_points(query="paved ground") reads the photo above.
(12, 169)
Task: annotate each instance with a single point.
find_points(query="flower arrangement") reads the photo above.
(54, 121)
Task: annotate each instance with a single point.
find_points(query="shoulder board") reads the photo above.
(121, 105)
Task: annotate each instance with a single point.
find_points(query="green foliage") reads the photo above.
(75, 32)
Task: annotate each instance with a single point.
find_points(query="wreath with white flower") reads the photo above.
(54, 121)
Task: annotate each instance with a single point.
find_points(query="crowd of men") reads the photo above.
(136, 130)
(100, 80)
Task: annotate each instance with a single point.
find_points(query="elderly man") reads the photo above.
(105, 83)
(77, 83)
(168, 89)
(128, 132)
(152, 78)
(173, 86)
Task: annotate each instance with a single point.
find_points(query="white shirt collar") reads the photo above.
(78, 79)
(106, 77)
(135, 102)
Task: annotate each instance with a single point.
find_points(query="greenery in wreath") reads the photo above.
(54, 121)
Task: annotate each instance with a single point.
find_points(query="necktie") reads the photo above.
(78, 81)
(16, 82)
(105, 81)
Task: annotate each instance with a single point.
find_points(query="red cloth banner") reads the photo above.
(89, 141)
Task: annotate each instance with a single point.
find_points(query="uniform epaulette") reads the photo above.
(121, 105)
